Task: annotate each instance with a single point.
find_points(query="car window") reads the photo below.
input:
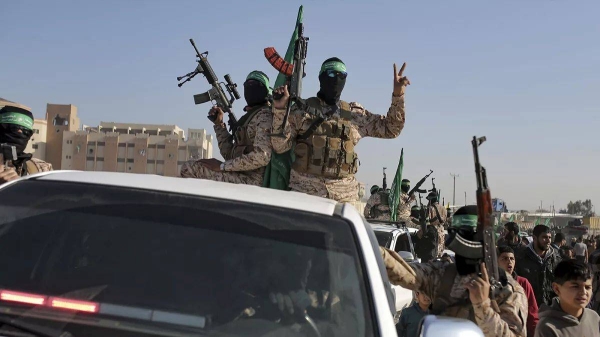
(384, 238)
(188, 256)
(402, 244)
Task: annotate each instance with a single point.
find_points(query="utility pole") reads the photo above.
(454, 189)
(465, 198)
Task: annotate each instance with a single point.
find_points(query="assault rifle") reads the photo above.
(293, 72)
(216, 93)
(485, 221)
(418, 185)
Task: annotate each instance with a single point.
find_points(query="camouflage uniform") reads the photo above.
(377, 207)
(244, 164)
(363, 124)
(434, 221)
(405, 205)
(40, 166)
(509, 321)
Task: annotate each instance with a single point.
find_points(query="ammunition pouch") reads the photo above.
(327, 150)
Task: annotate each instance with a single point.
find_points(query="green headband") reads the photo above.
(333, 65)
(260, 77)
(17, 119)
(405, 183)
(464, 220)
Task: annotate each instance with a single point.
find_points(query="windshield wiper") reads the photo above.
(33, 329)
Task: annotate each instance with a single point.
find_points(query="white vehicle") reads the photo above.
(398, 239)
(120, 254)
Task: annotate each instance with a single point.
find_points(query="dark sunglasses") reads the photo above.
(333, 73)
(16, 128)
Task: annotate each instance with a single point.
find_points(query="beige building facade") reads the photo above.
(114, 147)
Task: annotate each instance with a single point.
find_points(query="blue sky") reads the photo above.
(526, 74)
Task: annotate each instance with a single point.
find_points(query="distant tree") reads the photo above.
(563, 211)
(583, 208)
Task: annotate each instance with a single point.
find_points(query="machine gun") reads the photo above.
(293, 72)
(216, 93)
(485, 223)
(416, 188)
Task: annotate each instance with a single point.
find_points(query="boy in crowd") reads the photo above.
(507, 261)
(408, 326)
(568, 316)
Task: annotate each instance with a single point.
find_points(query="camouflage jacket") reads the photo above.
(258, 130)
(378, 209)
(40, 166)
(364, 124)
(511, 319)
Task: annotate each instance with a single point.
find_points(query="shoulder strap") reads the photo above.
(245, 120)
(315, 103)
(345, 110)
(442, 298)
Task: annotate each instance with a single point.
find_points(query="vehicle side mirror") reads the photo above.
(434, 326)
(406, 256)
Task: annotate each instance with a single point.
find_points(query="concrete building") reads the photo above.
(61, 140)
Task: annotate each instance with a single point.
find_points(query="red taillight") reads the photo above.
(54, 302)
(13, 296)
(64, 303)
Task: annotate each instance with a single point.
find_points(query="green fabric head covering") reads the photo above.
(333, 64)
(374, 189)
(16, 118)
(260, 77)
(415, 208)
(405, 182)
(464, 220)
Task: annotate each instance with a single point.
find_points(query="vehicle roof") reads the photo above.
(389, 228)
(196, 187)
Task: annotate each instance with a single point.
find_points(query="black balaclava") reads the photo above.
(414, 211)
(256, 89)
(332, 79)
(405, 185)
(464, 224)
(13, 119)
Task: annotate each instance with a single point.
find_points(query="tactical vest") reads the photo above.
(328, 151)
(242, 142)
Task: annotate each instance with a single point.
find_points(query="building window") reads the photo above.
(91, 150)
(36, 131)
(34, 146)
(59, 121)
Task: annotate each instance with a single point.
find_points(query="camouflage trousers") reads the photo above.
(193, 169)
(340, 190)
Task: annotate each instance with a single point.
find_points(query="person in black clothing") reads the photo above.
(510, 237)
(537, 262)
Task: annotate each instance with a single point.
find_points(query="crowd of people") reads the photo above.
(550, 288)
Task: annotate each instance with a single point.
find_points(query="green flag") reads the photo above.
(547, 223)
(512, 218)
(277, 173)
(394, 197)
(537, 221)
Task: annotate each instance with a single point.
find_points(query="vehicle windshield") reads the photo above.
(171, 264)
(384, 238)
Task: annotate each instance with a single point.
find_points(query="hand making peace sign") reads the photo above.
(400, 82)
